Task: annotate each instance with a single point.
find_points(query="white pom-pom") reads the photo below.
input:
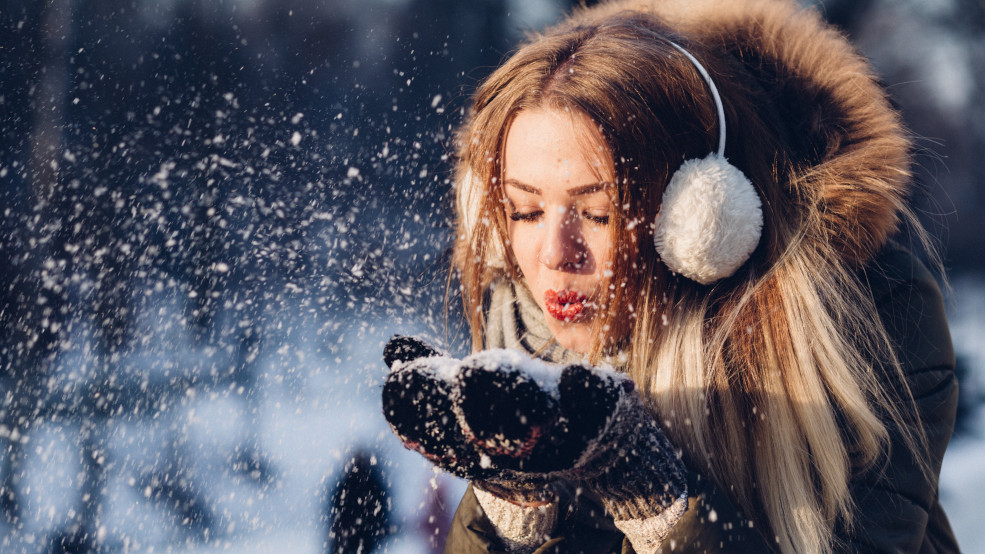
(710, 220)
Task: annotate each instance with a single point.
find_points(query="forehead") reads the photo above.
(549, 148)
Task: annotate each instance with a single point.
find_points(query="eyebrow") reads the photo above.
(576, 191)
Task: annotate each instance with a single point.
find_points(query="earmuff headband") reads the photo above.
(711, 217)
(714, 94)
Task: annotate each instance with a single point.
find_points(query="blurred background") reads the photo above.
(213, 214)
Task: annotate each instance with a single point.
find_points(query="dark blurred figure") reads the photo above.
(359, 508)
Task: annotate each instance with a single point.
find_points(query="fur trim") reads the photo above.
(854, 169)
(710, 220)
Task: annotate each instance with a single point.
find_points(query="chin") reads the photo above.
(575, 337)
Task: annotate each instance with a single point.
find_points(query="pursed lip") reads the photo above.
(565, 305)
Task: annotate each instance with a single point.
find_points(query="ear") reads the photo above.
(710, 220)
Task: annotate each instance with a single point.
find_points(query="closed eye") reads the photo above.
(597, 219)
(526, 216)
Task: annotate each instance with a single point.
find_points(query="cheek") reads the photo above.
(602, 249)
(523, 249)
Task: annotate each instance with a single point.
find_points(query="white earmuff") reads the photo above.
(711, 217)
(469, 196)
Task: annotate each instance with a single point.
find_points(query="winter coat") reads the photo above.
(898, 508)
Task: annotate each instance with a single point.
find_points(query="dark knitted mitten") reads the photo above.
(422, 401)
(417, 402)
(514, 424)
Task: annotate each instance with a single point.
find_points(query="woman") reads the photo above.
(781, 343)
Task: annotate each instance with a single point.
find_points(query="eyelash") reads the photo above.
(529, 216)
(597, 219)
(533, 216)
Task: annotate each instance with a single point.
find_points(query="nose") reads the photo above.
(562, 246)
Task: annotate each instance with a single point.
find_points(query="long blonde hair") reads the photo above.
(768, 379)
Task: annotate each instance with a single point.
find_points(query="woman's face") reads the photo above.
(558, 179)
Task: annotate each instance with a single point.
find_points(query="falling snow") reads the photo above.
(214, 215)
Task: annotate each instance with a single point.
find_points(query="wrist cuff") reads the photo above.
(520, 528)
(647, 534)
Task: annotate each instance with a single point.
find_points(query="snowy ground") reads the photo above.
(963, 472)
(313, 407)
(962, 487)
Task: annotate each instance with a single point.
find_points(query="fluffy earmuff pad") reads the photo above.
(710, 220)
(470, 195)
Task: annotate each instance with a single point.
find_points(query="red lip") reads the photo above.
(565, 305)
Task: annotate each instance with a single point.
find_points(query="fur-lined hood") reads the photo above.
(854, 158)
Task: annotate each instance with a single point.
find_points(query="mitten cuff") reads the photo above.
(647, 534)
(641, 501)
(521, 529)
